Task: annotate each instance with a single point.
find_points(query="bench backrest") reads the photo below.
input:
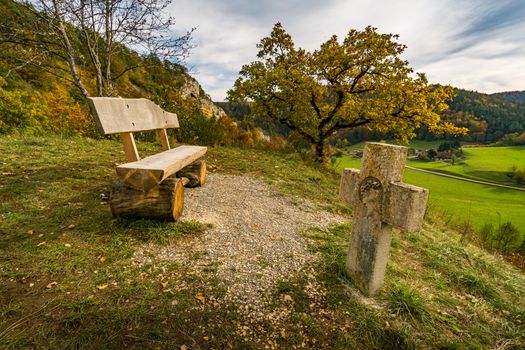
(127, 115)
(117, 115)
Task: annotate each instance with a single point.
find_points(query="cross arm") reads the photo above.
(404, 206)
(348, 186)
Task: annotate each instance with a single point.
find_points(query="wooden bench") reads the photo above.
(152, 187)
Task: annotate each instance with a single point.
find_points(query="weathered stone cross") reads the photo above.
(379, 200)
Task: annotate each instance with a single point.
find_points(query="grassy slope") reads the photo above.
(438, 292)
(462, 201)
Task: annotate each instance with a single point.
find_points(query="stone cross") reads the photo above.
(380, 201)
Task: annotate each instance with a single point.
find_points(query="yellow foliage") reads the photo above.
(361, 81)
(65, 114)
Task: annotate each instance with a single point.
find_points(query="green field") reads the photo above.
(463, 201)
(482, 163)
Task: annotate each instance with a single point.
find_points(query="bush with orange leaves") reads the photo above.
(66, 115)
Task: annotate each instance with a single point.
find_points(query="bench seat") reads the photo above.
(148, 172)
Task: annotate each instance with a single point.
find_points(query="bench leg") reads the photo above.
(195, 173)
(163, 202)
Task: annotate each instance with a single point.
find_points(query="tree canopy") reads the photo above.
(359, 81)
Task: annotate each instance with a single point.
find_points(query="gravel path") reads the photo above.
(255, 240)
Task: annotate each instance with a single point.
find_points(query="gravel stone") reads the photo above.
(255, 240)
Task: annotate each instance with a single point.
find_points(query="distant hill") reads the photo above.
(511, 96)
(501, 116)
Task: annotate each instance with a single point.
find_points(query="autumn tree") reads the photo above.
(67, 37)
(360, 81)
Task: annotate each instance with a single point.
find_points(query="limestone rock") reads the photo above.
(191, 90)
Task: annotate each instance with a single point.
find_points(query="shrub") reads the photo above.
(506, 237)
(32, 111)
(519, 176)
(431, 153)
(486, 234)
(19, 109)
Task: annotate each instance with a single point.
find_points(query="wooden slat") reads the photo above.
(117, 115)
(130, 148)
(163, 136)
(150, 171)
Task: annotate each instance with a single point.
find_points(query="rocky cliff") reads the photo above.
(192, 91)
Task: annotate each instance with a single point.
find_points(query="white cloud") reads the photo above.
(475, 44)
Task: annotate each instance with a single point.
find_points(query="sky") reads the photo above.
(471, 44)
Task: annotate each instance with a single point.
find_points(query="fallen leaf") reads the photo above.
(164, 284)
(41, 243)
(102, 286)
(31, 285)
(200, 297)
(255, 225)
(272, 237)
(71, 226)
(51, 285)
(102, 258)
(41, 235)
(30, 232)
(67, 245)
(288, 298)
(183, 347)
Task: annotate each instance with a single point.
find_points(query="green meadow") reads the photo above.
(482, 163)
(460, 201)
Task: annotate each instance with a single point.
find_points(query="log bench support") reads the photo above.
(152, 187)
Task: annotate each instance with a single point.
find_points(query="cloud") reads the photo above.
(471, 44)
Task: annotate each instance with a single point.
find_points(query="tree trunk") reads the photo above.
(70, 54)
(163, 202)
(319, 152)
(195, 172)
(108, 46)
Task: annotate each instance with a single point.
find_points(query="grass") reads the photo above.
(490, 164)
(67, 279)
(459, 201)
(408, 302)
(438, 294)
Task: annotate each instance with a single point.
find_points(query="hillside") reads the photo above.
(511, 96)
(501, 117)
(235, 272)
(34, 99)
